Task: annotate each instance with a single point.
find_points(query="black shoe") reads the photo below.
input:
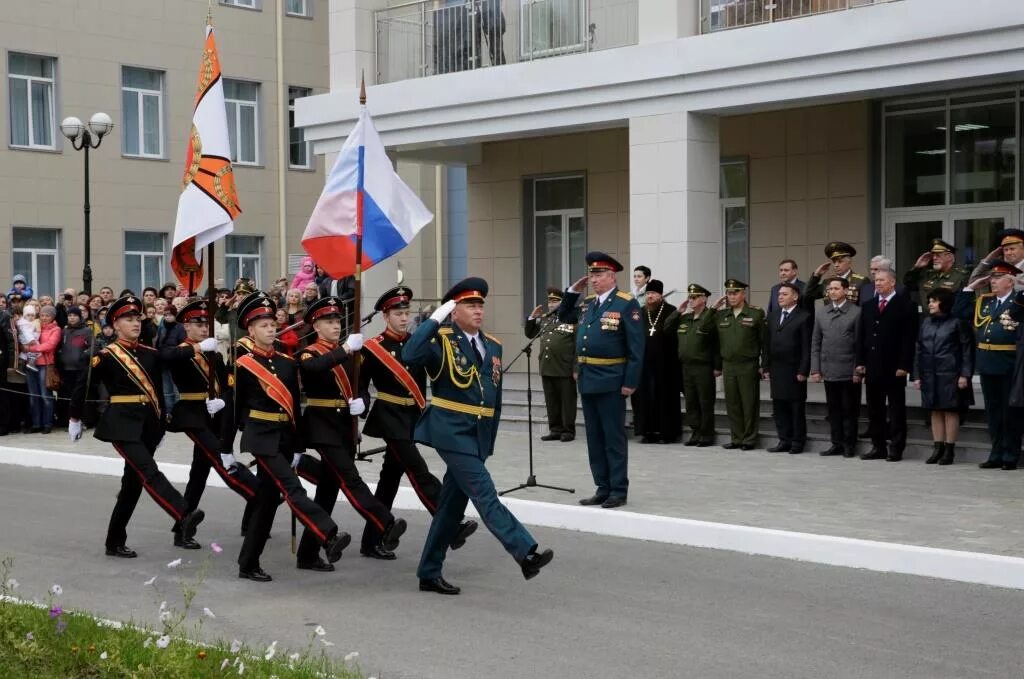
(551, 437)
(705, 444)
(593, 500)
(781, 448)
(875, 454)
(796, 451)
(535, 560)
(692, 441)
(730, 446)
(850, 450)
(35, 430)
(184, 543)
(833, 450)
(937, 453)
(376, 552)
(747, 446)
(565, 438)
(336, 545)
(466, 528)
(948, 453)
(991, 464)
(121, 552)
(648, 439)
(190, 524)
(391, 536)
(439, 585)
(895, 457)
(317, 564)
(256, 575)
(1009, 466)
(47, 430)
(613, 502)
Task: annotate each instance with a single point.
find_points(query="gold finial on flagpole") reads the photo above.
(362, 88)
(209, 13)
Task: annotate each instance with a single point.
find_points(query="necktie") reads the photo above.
(785, 315)
(881, 304)
(476, 350)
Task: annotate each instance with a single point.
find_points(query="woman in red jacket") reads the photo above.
(287, 337)
(40, 397)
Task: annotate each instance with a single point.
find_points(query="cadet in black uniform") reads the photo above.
(133, 423)
(393, 416)
(198, 415)
(329, 426)
(266, 390)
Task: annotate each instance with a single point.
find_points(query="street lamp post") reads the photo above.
(83, 138)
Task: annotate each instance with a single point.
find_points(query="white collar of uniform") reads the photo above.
(602, 298)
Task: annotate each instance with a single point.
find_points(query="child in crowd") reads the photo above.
(28, 332)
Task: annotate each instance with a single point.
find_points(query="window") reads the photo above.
(299, 8)
(30, 81)
(144, 263)
(248, 4)
(36, 254)
(243, 258)
(558, 233)
(915, 159)
(142, 112)
(735, 227)
(984, 161)
(241, 101)
(298, 149)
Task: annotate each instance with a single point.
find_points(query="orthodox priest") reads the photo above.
(658, 395)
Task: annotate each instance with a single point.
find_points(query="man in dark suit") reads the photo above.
(888, 334)
(788, 273)
(786, 362)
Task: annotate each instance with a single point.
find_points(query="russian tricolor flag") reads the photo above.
(363, 194)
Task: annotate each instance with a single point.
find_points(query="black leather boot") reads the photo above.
(947, 453)
(940, 448)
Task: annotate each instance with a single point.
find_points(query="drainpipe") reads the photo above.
(282, 136)
(439, 207)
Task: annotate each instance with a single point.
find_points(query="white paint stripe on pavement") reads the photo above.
(885, 557)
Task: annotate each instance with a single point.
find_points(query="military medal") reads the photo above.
(495, 370)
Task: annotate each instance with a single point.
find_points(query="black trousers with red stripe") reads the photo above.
(140, 472)
(340, 473)
(206, 456)
(402, 458)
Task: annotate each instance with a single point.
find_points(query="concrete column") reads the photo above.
(660, 20)
(674, 222)
(352, 33)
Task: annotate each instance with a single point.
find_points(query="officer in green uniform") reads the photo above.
(840, 256)
(935, 269)
(698, 355)
(557, 358)
(740, 329)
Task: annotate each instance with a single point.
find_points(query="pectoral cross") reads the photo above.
(651, 331)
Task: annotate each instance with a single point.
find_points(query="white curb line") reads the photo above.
(884, 557)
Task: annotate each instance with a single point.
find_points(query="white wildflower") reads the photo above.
(326, 643)
(208, 613)
(149, 582)
(56, 590)
(12, 584)
(163, 605)
(165, 616)
(175, 563)
(271, 650)
(223, 664)
(236, 646)
(293, 657)
(163, 642)
(147, 643)
(351, 656)
(29, 636)
(241, 667)
(320, 631)
(103, 655)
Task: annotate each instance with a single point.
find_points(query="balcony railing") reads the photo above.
(429, 37)
(720, 15)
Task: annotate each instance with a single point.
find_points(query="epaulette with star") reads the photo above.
(623, 295)
(492, 338)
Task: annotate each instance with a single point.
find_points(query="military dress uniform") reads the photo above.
(557, 360)
(699, 358)
(330, 429)
(399, 403)
(461, 424)
(190, 370)
(926, 279)
(1006, 237)
(266, 392)
(741, 336)
(133, 423)
(609, 356)
(861, 288)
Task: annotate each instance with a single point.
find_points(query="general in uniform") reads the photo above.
(699, 359)
(609, 358)
(840, 256)
(740, 330)
(461, 423)
(557, 360)
(133, 423)
(400, 402)
(935, 269)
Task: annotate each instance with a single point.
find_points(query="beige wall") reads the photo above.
(92, 40)
(809, 184)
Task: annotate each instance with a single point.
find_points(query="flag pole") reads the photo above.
(211, 303)
(356, 312)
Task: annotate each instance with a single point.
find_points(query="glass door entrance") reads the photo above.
(973, 233)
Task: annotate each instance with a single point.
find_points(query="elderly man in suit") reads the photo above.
(888, 335)
(787, 363)
(788, 273)
(835, 342)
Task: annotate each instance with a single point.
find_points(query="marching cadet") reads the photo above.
(994, 318)
(191, 365)
(840, 257)
(461, 424)
(935, 269)
(329, 426)
(266, 391)
(133, 423)
(557, 359)
(609, 358)
(400, 401)
(740, 330)
(698, 354)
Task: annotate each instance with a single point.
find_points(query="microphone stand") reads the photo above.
(531, 479)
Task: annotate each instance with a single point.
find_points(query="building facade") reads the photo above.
(702, 138)
(137, 60)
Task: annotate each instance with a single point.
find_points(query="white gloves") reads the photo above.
(354, 342)
(442, 312)
(74, 429)
(356, 406)
(296, 459)
(228, 461)
(208, 344)
(214, 405)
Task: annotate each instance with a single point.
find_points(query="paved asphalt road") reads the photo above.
(606, 608)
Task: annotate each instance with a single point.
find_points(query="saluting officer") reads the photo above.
(461, 423)
(266, 391)
(740, 329)
(198, 415)
(840, 257)
(133, 423)
(1010, 250)
(329, 426)
(557, 359)
(393, 415)
(936, 268)
(698, 355)
(609, 358)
